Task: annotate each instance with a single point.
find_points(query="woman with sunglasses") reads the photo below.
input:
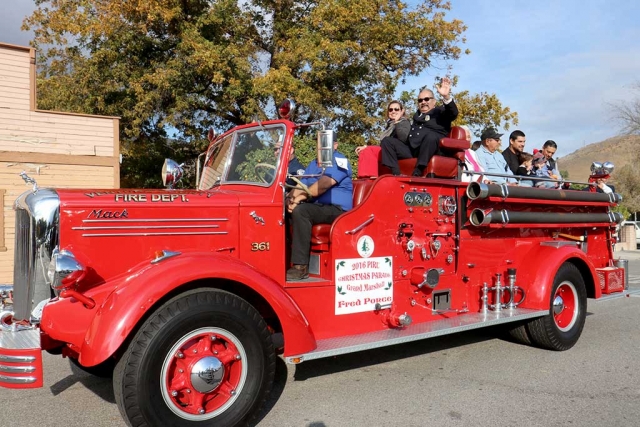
(398, 127)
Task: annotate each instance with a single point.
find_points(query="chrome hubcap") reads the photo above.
(207, 374)
(558, 305)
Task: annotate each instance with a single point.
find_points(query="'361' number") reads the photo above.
(262, 246)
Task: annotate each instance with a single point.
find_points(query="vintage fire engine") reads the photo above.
(181, 294)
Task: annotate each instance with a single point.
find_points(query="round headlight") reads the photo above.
(64, 270)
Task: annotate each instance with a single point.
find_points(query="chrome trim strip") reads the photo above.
(17, 380)
(156, 234)
(343, 345)
(560, 243)
(17, 369)
(17, 359)
(156, 220)
(142, 227)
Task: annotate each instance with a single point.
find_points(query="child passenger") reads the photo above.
(526, 169)
(542, 170)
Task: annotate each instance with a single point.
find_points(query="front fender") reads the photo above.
(541, 267)
(141, 288)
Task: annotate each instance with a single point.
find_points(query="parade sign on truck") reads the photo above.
(363, 283)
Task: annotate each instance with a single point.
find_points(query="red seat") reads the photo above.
(320, 232)
(444, 165)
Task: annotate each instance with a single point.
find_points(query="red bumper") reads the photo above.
(20, 359)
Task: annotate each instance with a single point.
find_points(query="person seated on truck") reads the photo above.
(491, 160)
(294, 167)
(430, 124)
(541, 170)
(470, 159)
(398, 127)
(549, 148)
(526, 169)
(602, 186)
(329, 195)
(517, 139)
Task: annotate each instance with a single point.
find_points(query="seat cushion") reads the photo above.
(458, 133)
(442, 167)
(320, 234)
(454, 147)
(361, 189)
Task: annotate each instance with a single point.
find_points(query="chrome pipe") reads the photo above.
(485, 298)
(498, 289)
(511, 275)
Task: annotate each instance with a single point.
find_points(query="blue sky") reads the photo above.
(559, 64)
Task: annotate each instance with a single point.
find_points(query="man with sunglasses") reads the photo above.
(430, 124)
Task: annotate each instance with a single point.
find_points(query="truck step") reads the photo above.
(370, 340)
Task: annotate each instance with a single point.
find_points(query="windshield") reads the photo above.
(248, 156)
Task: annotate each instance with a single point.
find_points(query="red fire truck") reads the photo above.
(181, 294)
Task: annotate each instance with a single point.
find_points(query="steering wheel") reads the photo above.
(300, 185)
(262, 169)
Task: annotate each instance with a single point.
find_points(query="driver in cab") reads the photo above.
(326, 197)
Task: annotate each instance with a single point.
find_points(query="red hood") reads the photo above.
(110, 231)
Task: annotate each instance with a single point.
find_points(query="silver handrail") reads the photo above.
(361, 226)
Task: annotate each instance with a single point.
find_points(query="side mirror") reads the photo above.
(198, 168)
(171, 173)
(325, 148)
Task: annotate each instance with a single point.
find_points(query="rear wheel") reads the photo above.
(205, 358)
(561, 328)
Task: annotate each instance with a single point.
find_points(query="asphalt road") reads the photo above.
(466, 379)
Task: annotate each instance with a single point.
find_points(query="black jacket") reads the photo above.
(436, 121)
(511, 159)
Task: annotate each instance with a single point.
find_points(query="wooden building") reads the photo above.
(56, 149)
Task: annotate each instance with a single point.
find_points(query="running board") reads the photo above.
(617, 295)
(436, 328)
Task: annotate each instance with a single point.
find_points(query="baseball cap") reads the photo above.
(490, 133)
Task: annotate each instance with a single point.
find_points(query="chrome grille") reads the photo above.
(37, 225)
(21, 265)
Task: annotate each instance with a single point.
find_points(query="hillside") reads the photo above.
(619, 150)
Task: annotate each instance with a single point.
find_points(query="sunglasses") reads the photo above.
(394, 109)
(425, 99)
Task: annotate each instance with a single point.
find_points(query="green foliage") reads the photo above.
(249, 171)
(627, 183)
(564, 174)
(174, 68)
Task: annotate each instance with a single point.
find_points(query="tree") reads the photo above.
(628, 184)
(629, 113)
(173, 68)
(181, 66)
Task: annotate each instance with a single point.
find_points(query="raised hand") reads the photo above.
(445, 88)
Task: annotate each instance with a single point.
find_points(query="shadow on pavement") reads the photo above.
(331, 365)
(279, 383)
(101, 387)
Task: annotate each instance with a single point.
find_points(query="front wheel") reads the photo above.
(561, 328)
(205, 358)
